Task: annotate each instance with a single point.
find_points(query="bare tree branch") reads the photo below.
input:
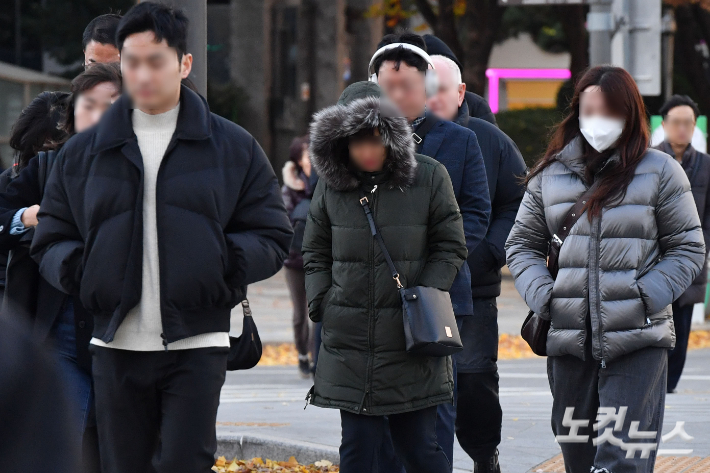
(427, 12)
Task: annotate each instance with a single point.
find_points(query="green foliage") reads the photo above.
(530, 129)
(228, 101)
(542, 23)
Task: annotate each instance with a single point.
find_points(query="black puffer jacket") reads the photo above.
(363, 366)
(221, 220)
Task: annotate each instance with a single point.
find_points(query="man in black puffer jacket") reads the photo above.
(157, 218)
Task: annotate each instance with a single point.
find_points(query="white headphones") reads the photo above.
(431, 81)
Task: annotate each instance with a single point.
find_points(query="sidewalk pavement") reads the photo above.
(261, 411)
(265, 405)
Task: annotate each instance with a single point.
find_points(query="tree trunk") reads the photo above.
(689, 59)
(445, 27)
(573, 19)
(481, 21)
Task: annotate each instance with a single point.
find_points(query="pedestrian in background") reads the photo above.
(476, 106)
(636, 247)
(297, 195)
(363, 146)
(157, 219)
(57, 319)
(35, 130)
(99, 40)
(478, 415)
(679, 116)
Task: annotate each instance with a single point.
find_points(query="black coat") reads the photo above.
(505, 169)
(30, 296)
(221, 220)
(697, 168)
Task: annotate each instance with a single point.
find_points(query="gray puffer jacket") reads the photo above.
(624, 268)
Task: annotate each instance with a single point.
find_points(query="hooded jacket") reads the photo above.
(623, 269)
(221, 220)
(363, 366)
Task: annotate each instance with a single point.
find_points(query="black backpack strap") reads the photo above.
(42, 171)
(364, 202)
(422, 129)
(46, 163)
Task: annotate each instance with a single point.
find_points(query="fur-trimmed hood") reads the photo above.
(332, 126)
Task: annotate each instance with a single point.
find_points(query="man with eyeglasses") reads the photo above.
(679, 116)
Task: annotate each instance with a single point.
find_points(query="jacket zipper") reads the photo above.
(597, 302)
(161, 257)
(371, 315)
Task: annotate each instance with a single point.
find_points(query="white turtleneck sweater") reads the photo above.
(142, 328)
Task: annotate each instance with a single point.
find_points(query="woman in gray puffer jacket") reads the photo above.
(637, 246)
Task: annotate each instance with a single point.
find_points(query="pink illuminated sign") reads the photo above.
(494, 76)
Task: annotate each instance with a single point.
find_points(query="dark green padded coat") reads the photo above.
(363, 366)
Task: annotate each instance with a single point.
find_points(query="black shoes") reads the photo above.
(489, 466)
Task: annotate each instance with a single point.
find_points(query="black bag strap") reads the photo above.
(565, 227)
(365, 203)
(42, 170)
(422, 129)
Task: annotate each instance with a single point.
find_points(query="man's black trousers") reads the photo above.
(156, 411)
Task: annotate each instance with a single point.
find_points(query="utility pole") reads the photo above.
(18, 33)
(668, 27)
(600, 24)
(196, 12)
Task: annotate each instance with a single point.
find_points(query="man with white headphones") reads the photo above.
(406, 75)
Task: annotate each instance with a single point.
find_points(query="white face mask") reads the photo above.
(601, 132)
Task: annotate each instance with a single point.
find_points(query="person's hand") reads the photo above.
(29, 216)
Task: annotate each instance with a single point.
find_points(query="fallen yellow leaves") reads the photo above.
(510, 347)
(222, 465)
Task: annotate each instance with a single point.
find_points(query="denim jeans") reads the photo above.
(636, 381)
(77, 380)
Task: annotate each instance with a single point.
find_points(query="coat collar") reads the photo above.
(462, 116)
(433, 140)
(572, 157)
(116, 126)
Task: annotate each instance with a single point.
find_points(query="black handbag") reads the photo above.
(245, 350)
(535, 328)
(429, 322)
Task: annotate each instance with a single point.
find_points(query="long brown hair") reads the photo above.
(622, 97)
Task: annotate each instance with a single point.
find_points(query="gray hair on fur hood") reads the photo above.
(332, 126)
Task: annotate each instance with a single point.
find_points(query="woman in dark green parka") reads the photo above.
(359, 146)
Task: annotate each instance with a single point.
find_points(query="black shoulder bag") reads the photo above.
(429, 322)
(535, 328)
(245, 350)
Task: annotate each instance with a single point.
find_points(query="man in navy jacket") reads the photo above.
(401, 73)
(478, 412)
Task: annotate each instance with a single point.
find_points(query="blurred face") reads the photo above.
(593, 103)
(100, 53)
(305, 161)
(445, 104)
(404, 87)
(152, 72)
(91, 104)
(368, 153)
(679, 125)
